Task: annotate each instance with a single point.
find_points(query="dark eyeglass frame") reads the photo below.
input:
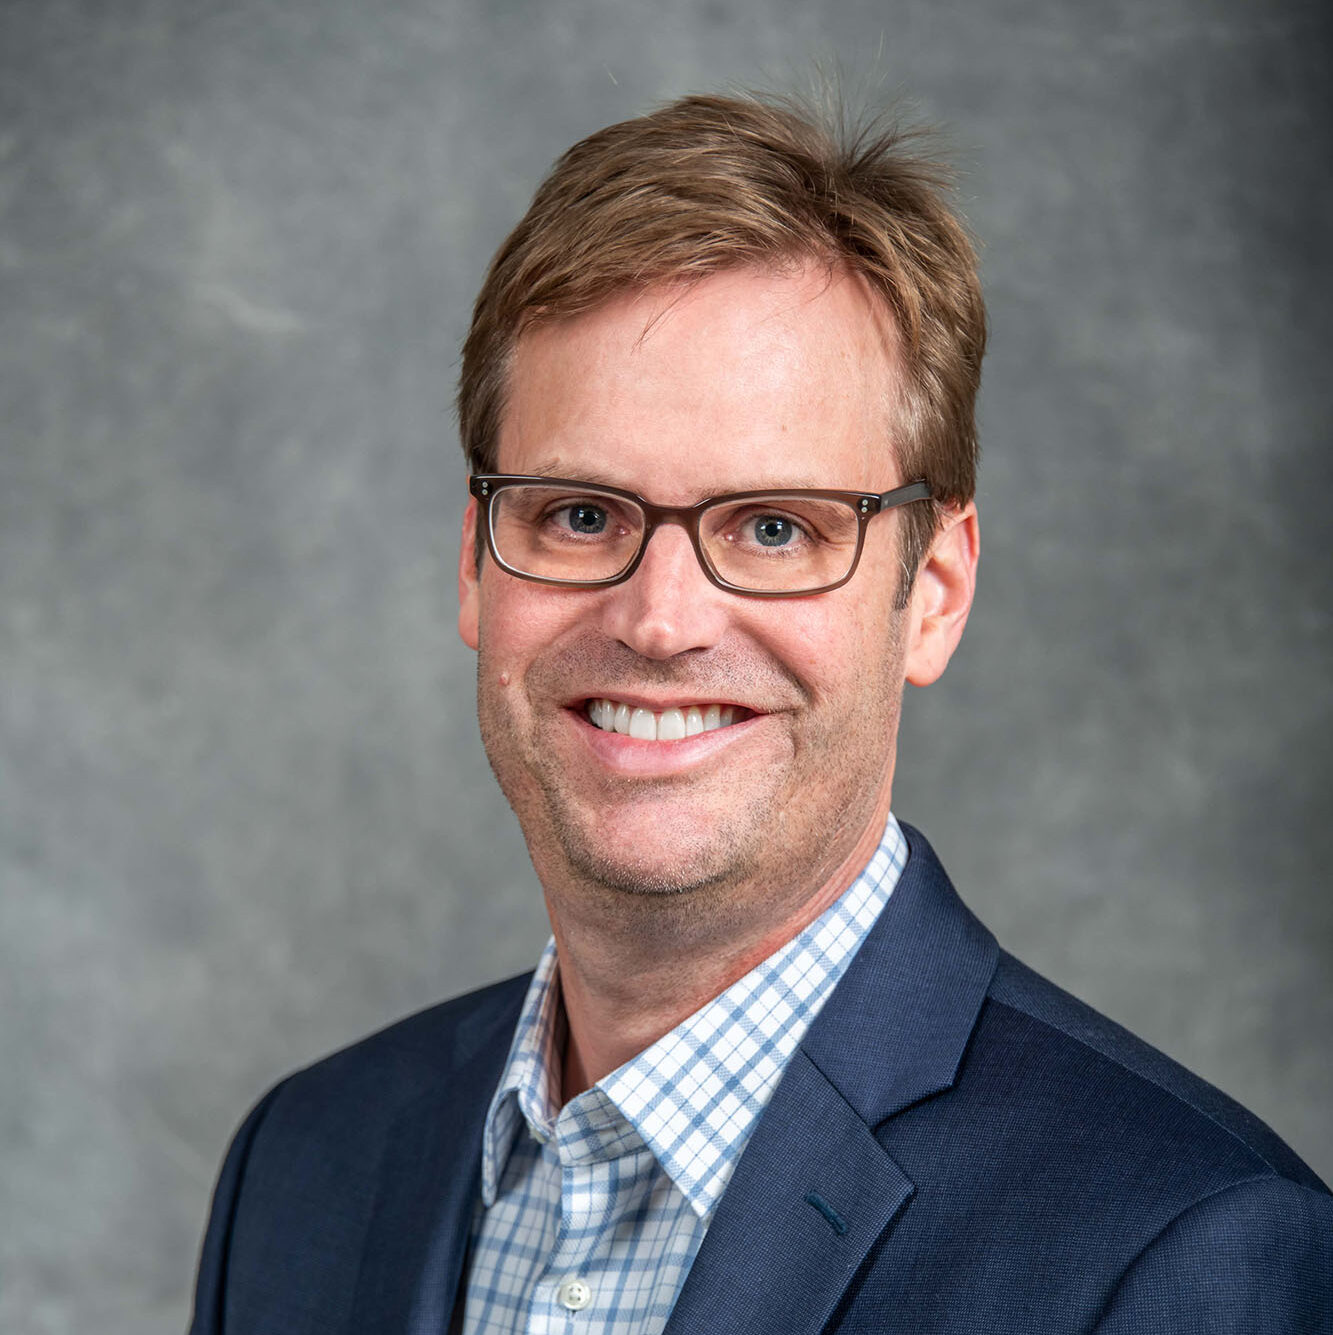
(865, 504)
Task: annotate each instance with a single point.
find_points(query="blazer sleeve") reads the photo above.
(210, 1290)
(1255, 1258)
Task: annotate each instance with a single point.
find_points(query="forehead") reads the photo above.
(743, 379)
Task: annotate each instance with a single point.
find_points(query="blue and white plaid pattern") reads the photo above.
(590, 1222)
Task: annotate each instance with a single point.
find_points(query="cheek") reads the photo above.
(517, 619)
(850, 659)
(825, 642)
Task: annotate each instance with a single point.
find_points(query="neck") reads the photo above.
(634, 966)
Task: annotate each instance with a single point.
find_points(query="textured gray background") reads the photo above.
(244, 815)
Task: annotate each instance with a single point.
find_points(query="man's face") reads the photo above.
(746, 380)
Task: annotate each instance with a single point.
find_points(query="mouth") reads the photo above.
(673, 724)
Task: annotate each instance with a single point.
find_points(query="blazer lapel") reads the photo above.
(814, 1190)
(809, 1197)
(430, 1173)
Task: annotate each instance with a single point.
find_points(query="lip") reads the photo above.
(632, 757)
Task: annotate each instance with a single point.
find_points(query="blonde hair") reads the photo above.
(709, 183)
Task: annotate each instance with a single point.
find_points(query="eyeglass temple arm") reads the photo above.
(913, 491)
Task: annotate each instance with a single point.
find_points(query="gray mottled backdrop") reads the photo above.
(244, 815)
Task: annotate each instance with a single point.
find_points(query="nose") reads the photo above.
(668, 606)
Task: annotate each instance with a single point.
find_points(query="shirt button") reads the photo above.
(574, 1294)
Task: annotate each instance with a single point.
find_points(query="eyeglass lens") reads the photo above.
(770, 543)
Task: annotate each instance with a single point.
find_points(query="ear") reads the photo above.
(942, 595)
(469, 579)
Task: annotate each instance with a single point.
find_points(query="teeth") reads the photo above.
(671, 725)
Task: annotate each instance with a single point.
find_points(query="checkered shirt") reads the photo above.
(591, 1220)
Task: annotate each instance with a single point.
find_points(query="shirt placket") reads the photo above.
(603, 1165)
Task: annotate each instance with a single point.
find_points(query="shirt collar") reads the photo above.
(695, 1095)
(529, 1087)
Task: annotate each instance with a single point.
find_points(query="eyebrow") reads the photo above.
(600, 478)
(593, 475)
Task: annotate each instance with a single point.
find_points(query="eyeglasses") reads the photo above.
(768, 544)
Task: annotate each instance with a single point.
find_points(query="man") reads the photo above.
(771, 1075)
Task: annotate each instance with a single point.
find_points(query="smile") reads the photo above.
(670, 725)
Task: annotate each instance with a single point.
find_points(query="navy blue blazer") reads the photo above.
(957, 1146)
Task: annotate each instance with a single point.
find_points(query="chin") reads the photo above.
(683, 863)
(651, 845)
(649, 875)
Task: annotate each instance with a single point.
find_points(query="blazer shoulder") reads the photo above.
(1256, 1256)
(415, 1054)
(308, 1167)
(328, 1122)
(1164, 1092)
(359, 1091)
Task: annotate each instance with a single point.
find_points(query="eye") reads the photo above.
(773, 530)
(585, 518)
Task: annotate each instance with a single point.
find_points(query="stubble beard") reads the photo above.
(714, 867)
(567, 836)
(701, 861)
